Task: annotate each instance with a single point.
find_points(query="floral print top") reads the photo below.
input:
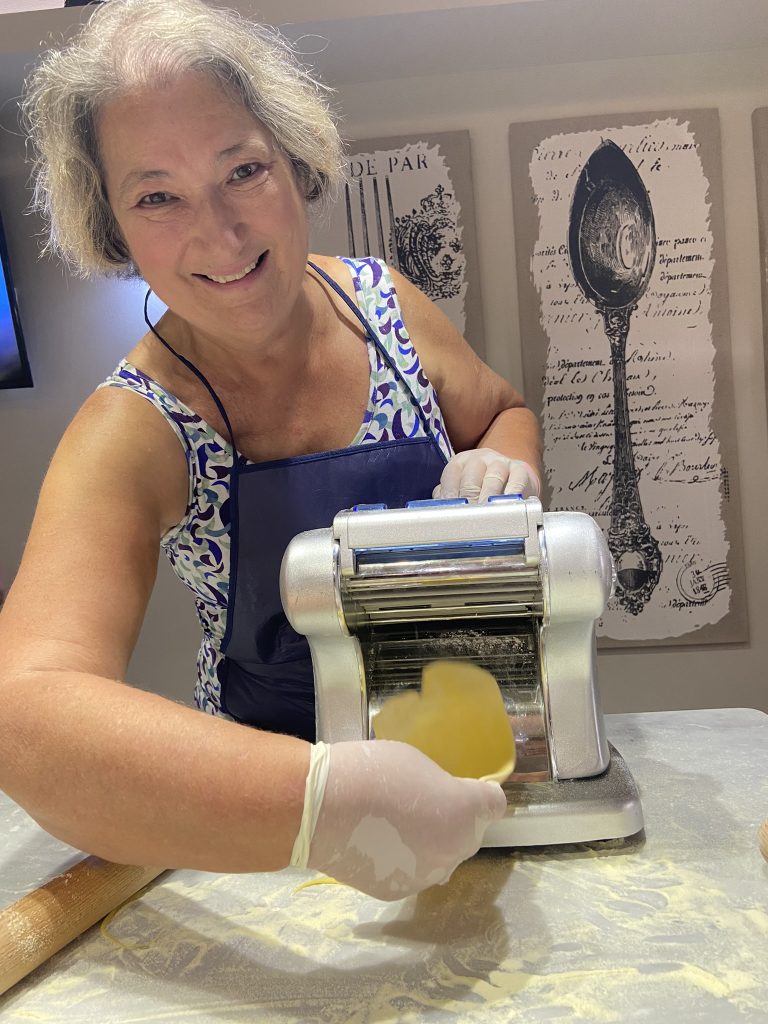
(198, 547)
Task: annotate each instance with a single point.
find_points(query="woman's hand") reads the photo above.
(381, 816)
(481, 472)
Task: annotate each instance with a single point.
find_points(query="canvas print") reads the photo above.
(760, 134)
(624, 317)
(408, 200)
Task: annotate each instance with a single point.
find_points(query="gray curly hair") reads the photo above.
(134, 44)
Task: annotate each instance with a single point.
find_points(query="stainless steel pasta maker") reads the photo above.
(505, 585)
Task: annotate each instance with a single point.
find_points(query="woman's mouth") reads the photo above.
(242, 275)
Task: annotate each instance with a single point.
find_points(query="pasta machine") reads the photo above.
(502, 584)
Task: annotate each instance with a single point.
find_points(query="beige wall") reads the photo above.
(76, 332)
(485, 103)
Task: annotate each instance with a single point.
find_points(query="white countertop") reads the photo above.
(669, 927)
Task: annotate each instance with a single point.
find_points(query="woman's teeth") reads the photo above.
(233, 277)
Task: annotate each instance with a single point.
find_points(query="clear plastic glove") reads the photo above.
(481, 472)
(382, 817)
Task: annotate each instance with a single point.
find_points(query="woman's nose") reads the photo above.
(218, 221)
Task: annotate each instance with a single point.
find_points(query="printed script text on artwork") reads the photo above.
(669, 374)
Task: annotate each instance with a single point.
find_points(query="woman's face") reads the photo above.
(208, 206)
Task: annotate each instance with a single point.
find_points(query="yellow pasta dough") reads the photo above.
(458, 719)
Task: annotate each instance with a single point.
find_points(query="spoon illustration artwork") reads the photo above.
(612, 248)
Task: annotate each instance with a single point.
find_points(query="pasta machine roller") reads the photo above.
(502, 584)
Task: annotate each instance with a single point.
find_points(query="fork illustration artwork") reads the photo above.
(386, 244)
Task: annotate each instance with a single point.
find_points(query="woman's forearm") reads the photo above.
(135, 778)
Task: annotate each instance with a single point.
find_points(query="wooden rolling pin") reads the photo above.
(41, 923)
(762, 837)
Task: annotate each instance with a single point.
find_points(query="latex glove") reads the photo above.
(381, 816)
(481, 472)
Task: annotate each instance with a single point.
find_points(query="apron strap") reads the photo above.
(368, 331)
(382, 350)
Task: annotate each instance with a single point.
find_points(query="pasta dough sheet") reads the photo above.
(458, 719)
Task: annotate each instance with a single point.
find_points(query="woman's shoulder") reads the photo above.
(376, 285)
(147, 372)
(372, 285)
(130, 377)
(132, 409)
(114, 412)
(355, 275)
(122, 441)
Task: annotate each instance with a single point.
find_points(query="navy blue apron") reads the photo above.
(266, 675)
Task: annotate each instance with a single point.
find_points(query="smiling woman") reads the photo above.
(185, 144)
(133, 46)
(207, 204)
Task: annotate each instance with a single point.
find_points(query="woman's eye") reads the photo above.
(245, 171)
(154, 199)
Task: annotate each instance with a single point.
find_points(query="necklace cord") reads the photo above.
(191, 366)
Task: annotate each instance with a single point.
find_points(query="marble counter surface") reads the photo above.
(671, 926)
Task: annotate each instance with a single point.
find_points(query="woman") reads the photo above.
(185, 145)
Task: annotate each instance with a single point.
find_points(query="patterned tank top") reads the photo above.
(198, 547)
